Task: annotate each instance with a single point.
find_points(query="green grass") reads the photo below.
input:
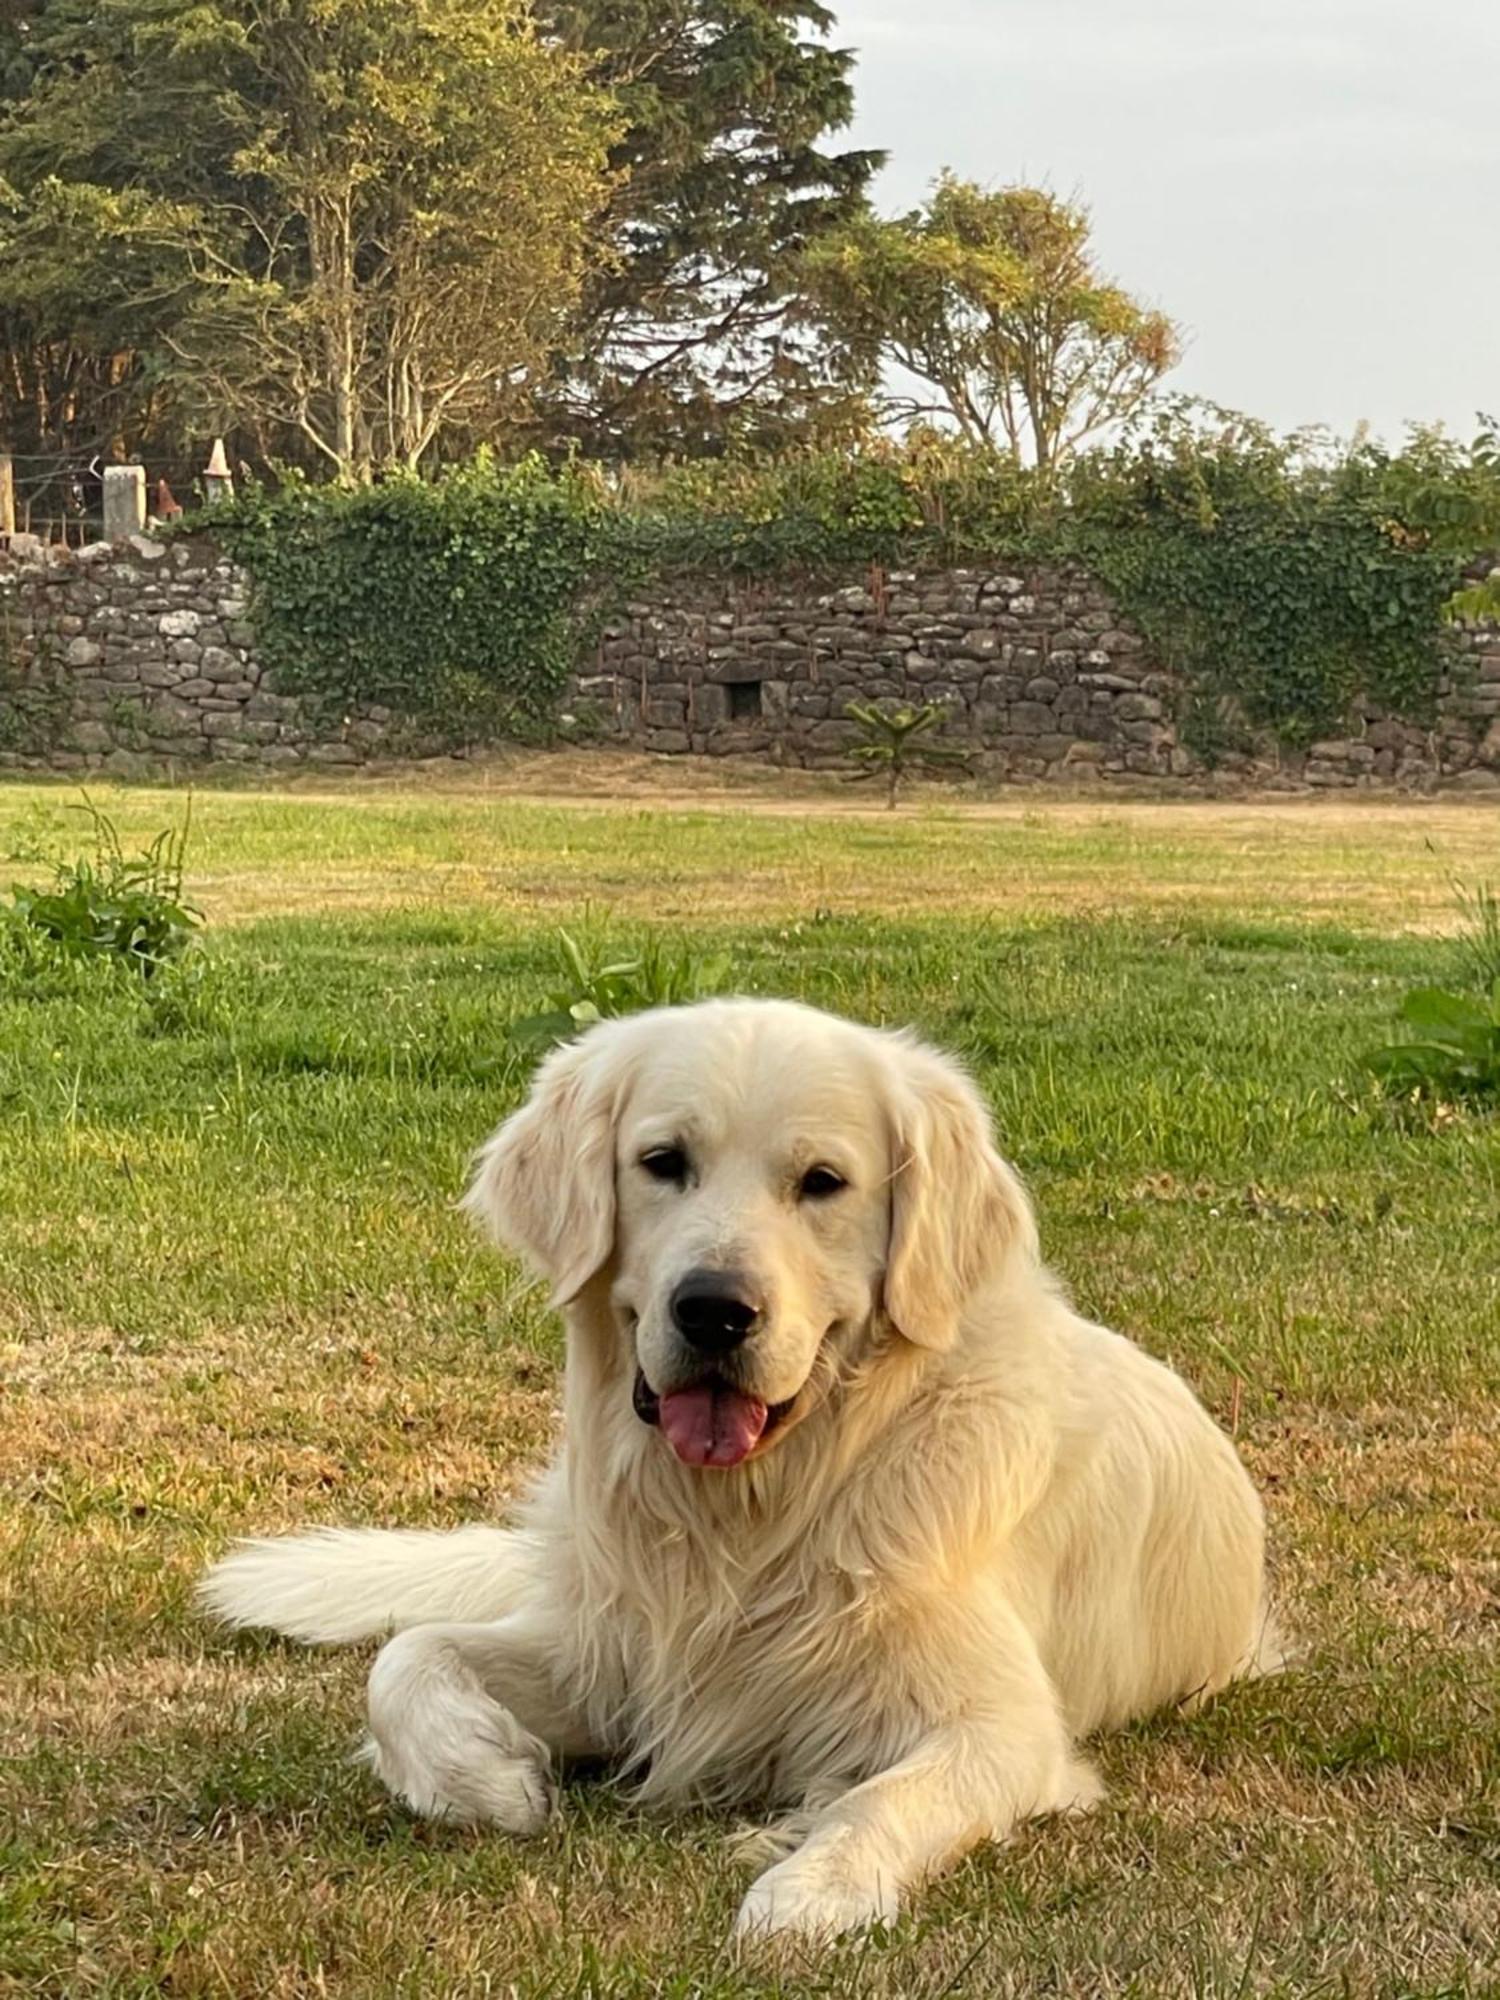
(234, 1293)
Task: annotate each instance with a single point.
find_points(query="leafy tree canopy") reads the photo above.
(990, 306)
(360, 227)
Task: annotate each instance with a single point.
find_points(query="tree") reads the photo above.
(358, 225)
(62, 392)
(890, 743)
(694, 335)
(989, 301)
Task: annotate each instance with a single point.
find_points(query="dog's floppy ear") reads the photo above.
(957, 1210)
(544, 1184)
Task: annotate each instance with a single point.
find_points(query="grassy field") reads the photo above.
(234, 1294)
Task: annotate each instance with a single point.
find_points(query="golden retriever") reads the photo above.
(854, 1517)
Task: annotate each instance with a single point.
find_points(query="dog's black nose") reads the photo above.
(714, 1310)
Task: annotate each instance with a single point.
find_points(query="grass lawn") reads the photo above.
(234, 1294)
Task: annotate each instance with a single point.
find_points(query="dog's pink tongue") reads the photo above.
(712, 1425)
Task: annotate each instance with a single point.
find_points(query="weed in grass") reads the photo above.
(1453, 1053)
(598, 988)
(128, 908)
(1478, 938)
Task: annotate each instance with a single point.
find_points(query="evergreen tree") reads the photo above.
(695, 334)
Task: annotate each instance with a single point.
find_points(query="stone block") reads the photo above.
(1138, 708)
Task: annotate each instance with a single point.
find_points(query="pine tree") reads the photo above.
(693, 337)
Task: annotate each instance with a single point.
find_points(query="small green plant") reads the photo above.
(890, 744)
(125, 907)
(1478, 939)
(598, 989)
(1454, 1053)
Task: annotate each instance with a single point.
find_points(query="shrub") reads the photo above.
(127, 908)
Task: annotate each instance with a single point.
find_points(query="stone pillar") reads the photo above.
(124, 501)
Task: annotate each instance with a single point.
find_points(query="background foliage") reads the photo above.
(1283, 579)
(352, 234)
(989, 303)
(348, 230)
(692, 332)
(455, 603)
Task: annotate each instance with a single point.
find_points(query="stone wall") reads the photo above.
(127, 658)
(1041, 677)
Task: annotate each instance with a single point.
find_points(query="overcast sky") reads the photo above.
(1310, 187)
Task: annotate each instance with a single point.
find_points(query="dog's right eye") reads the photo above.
(666, 1163)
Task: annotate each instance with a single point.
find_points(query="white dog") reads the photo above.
(853, 1516)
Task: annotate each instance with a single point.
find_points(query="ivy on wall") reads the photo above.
(454, 603)
(1282, 581)
(1283, 588)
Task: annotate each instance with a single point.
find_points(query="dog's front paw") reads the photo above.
(478, 1786)
(811, 1897)
(446, 1749)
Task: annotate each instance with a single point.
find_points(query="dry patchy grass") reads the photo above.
(539, 835)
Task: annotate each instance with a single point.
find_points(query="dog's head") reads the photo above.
(753, 1186)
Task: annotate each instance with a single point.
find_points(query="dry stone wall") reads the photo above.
(128, 657)
(1041, 677)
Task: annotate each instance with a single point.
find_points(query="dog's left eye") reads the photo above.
(666, 1163)
(820, 1182)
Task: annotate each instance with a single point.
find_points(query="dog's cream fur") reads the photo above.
(986, 1529)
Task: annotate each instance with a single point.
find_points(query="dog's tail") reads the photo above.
(340, 1584)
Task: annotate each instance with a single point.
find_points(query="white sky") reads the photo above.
(1311, 188)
